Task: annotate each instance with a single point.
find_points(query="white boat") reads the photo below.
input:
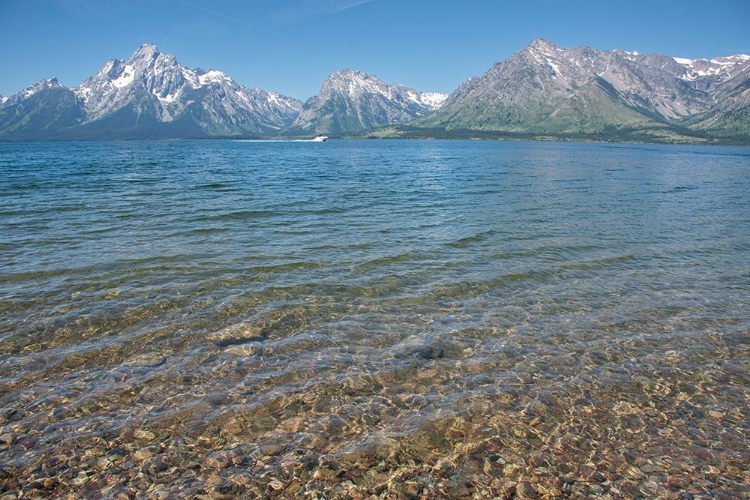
(320, 138)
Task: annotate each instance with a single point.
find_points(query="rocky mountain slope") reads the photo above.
(149, 95)
(40, 111)
(352, 102)
(543, 90)
(548, 89)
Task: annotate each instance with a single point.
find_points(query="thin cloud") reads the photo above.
(302, 10)
(94, 8)
(76, 8)
(240, 21)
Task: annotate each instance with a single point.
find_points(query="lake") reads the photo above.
(397, 319)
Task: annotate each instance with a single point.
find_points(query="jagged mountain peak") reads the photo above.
(546, 88)
(41, 85)
(546, 53)
(352, 101)
(542, 45)
(151, 71)
(150, 94)
(40, 111)
(718, 67)
(543, 88)
(146, 51)
(347, 73)
(356, 83)
(351, 82)
(148, 57)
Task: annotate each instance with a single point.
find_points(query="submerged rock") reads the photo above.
(430, 352)
(146, 359)
(237, 334)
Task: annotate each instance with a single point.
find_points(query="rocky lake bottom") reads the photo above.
(374, 319)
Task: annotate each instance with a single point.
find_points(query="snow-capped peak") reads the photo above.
(351, 81)
(213, 76)
(43, 84)
(725, 61)
(719, 66)
(154, 82)
(147, 69)
(355, 84)
(628, 55)
(39, 86)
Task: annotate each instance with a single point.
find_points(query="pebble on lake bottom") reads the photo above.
(332, 443)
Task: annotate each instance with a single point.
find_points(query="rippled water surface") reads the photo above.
(398, 319)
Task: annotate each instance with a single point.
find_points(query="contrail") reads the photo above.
(306, 9)
(230, 18)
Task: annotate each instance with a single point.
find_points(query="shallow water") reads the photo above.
(389, 318)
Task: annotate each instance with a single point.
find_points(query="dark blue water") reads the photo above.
(329, 297)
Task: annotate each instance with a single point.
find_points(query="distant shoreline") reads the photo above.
(467, 135)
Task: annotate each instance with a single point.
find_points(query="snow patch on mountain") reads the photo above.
(352, 101)
(169, 98)
(126, 77)
(38, 87)
(545, 87)
(722, 67)
(148, 92)
(156, 84)
(213, 76)
(434, 100)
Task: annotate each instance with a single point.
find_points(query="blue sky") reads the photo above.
(291, 46)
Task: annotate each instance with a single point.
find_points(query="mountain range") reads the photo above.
(545, 89)
(150, 95)
(541, 91)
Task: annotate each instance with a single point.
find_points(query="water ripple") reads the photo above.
(457, 306)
